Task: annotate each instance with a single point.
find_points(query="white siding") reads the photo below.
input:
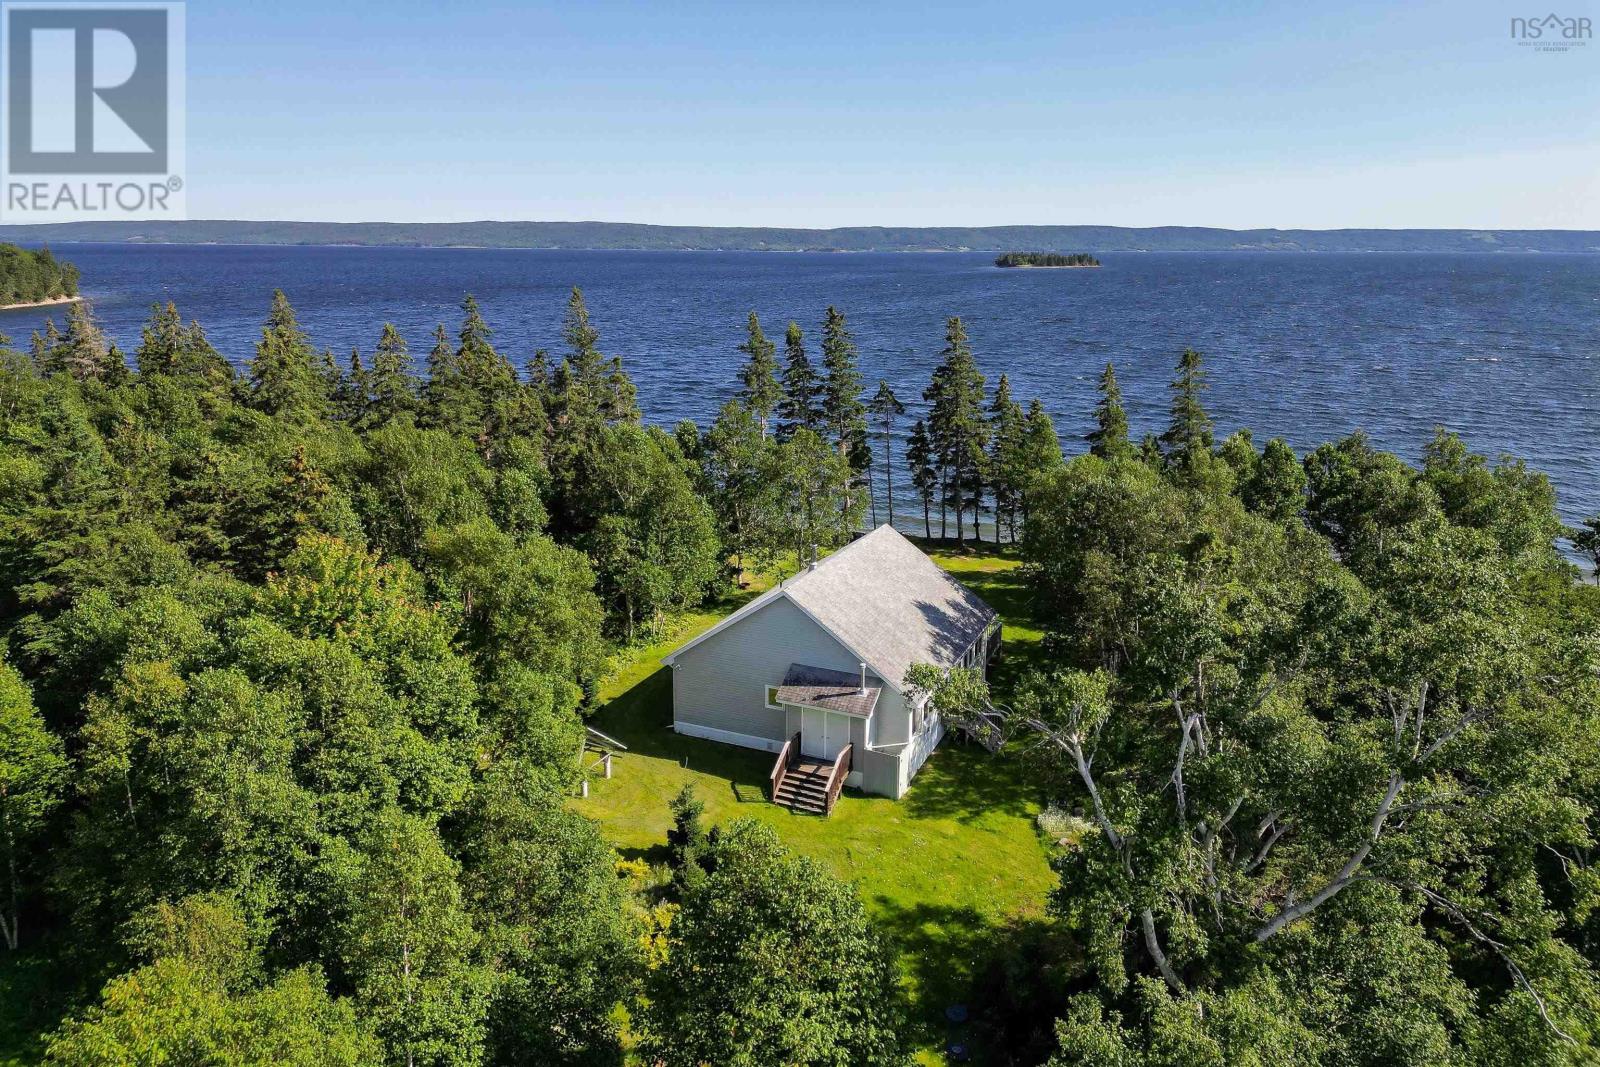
(720, 683)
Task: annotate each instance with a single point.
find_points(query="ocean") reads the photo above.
(1504, 349)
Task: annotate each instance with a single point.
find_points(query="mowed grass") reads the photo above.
(947, 870)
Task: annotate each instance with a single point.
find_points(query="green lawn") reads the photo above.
(947, 870)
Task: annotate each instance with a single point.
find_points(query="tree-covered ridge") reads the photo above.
(626, 235)
(30, 277)
(1046, 259)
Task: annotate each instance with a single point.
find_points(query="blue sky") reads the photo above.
(834, 114)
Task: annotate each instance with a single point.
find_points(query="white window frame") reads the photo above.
(768, 696)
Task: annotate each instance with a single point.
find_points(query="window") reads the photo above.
(772, 698)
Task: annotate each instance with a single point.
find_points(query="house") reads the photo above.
(814, 669)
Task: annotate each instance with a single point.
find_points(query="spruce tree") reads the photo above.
(957, 427)
(1109, 438)
(1007, 465)
(161, 346)
(886, 408)
(285, 377)
(800, 408)
(537, 375)
(842, 410)
(450, 402)
(350, 398)
(82, 351)
(1041, 453)
(594, 386)
(199, 358)
(1188, 438)
(759, 375)
(392, 387)
(920, 458)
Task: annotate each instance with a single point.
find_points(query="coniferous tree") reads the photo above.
(286, 377)
(440, 393)
(1041, 454)
(842, 409)
(162, 341)
(199, 358)
(594, 386)
(168, 347)
(957, 428)
(451, 402)
(1109, 438)
(886, 408)
(759, 375)
(350, 396)
(472, 390)
(537, 375)
(391, 385)
(1276, 487)
(82, 351)
(1008, 471)
(800, 408)
(1188, 437)
(924, 476)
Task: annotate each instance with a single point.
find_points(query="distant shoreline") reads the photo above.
(1049, 266)
(52, 302)
(603, 236)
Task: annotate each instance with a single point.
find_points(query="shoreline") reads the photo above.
(52, 302)
(1048, 266)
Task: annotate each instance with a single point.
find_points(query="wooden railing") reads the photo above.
(841, 771)
(786, 757)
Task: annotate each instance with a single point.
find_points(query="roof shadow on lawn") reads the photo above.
(641, 718)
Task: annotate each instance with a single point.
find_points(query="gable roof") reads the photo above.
(805, 686)
(883, 599)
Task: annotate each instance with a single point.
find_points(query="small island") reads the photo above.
(34, 279)
(1046, 259)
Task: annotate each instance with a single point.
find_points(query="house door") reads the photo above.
(823, 734)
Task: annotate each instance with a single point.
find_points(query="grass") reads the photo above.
(949, 871)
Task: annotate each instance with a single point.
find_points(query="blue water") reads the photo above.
(1504, 349)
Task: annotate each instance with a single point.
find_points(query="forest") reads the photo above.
(297, 657)
(31, 277)
(1046, 259)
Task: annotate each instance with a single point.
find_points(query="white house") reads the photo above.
(815, 668)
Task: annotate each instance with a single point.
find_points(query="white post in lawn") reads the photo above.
(608, 765)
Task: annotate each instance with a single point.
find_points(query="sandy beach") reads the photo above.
(41, 303)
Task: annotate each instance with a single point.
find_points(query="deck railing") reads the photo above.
(841, 771)
(786, 757)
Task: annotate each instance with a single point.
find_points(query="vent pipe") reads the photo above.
(863, 679)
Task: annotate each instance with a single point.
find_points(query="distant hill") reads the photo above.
(622, 235)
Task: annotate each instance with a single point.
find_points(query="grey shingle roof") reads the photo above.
(820, 687)
(891, 604)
